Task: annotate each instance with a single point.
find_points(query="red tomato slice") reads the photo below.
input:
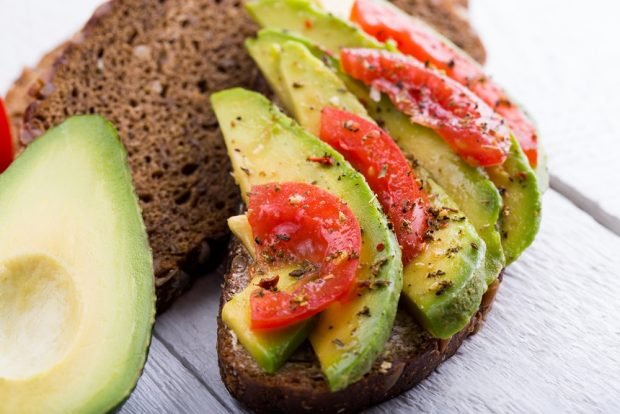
(374, 154)
(431, 99)
(301, 223)
(385, 22)
(6, 143)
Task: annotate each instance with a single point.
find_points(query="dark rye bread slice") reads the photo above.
(149, 66)
(410, 355)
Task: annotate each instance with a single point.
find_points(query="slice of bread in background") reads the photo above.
(149, 66)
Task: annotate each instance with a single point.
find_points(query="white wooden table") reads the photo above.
(552, 342)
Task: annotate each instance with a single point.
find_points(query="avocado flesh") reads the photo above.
(311, 86)
(77, 299)
(443, 285)
(309, 20)
(265, 146)
(520, 218)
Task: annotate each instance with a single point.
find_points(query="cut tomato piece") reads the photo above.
(429, 98)
(414, 38)
(388, 173)
(301, 223)
(6, 142)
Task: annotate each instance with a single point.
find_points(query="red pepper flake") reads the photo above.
(308, 24)
(325, 160)
(380, 247)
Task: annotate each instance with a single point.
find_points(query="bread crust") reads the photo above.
(410, 355)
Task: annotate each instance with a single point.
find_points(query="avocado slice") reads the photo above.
(443, 286)
(308, 19)
(77, 300)
(457, 282)
(269, 349)
(521, 193)
(266, 146)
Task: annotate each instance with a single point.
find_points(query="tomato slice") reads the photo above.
(301, 223)
(375, 154)
(6, 143)
(431, 99)
(385, 22)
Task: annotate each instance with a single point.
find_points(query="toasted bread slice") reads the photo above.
(410, 355)
(149, 66)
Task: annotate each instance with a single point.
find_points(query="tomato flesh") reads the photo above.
(417, 40)
(6, 143)
(301, 223)
(431, 99)
(388, 173)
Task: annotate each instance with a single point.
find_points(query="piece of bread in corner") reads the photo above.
(149, 66)
(409, 356)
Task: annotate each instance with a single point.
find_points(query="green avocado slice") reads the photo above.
(77, 300)
(457, 283)
(266, 146)
(521, 193)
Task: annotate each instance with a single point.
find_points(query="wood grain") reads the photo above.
(167, 387)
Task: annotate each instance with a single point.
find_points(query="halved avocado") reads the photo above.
(265, 146)
(77, 299)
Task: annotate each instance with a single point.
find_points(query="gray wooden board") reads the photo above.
(165, 386)
(552, 342)
(561, 59)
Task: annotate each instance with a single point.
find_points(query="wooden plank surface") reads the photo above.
(166, 386)
(551, 343)
(561, 59)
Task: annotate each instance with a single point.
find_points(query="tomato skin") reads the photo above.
(377, 157)
(417, 40)
(6, 142)
(295, 223)
(431, 99)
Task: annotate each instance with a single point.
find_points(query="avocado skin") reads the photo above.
(256, 131)
(95, 142)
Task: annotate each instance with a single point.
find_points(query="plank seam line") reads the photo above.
(192, 370)
(588, 206)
